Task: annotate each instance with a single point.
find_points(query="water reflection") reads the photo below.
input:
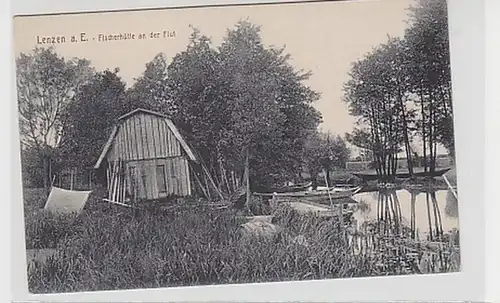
(417, 214)
(389, 216)
(451, 208)
(407, 231)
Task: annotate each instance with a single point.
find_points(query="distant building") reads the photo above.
(444, 161)
(402, 163)
(358, 165)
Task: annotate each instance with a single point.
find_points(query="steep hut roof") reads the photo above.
(141, 110)
(169, 123)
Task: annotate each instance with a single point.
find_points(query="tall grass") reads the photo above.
(121, 250)
(45, 230)
(107, 248)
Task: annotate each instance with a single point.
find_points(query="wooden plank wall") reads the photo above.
(143, 142)
(144, 137)
(177, 177)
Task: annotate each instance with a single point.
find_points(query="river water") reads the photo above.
(423, 212)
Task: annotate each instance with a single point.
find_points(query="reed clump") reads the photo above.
(119, 249)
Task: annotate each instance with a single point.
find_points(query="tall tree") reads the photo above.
(314, 155)
(430, 75)
(150, 89)
(403, 88)
(256, 115)
(361, 138)
(271, 107)
(91, 116)
(243, 105)
(324, 152)
(373, 95)
(46, 83)
(201, 102)
(339, 152)
(396, 80)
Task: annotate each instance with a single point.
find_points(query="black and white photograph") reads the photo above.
(236, 144)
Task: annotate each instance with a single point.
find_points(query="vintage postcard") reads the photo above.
(236, 144)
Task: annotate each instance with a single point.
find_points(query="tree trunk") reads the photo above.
(429, 217)
(375, 142)
(406, 137)
(247, 179)
(46, 173)
(431, 135)
(424, 139)
(395, 165)
(46, 179)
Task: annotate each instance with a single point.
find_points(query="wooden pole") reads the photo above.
(450, 187)
(121, 184)
(115, 184)
(90, 179)
(71, 180)
(108, 175)
(247, 180)
(124, 183)
(113, 181)
(118, 203)
(50, 172)
(341, 213)
(133, 183)
(209, 177)
(118, 183)
(207, 187)
(200, 184)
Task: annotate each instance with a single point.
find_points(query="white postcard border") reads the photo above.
(467, 49)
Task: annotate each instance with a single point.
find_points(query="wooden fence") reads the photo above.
(75, 179)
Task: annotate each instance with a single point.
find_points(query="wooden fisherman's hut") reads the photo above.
(148, 159)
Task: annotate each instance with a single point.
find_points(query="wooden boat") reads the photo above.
(292, 188)
(402, 174)
(387, 186)
(336, 188)
(334, 193)
(322, 210)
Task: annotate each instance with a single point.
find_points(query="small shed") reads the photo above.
(147, 159)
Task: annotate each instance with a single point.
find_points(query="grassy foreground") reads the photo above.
(109, 249)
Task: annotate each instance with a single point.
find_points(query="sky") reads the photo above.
(321, 37)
